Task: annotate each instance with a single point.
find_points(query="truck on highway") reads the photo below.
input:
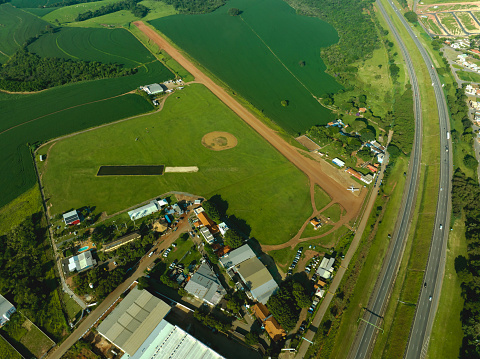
(448, 135)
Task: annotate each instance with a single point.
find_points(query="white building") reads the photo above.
(338, 162)
(143, 211)
(326, 268)
(223, 228)
(6, 310)
(153, 89)
(81, 262)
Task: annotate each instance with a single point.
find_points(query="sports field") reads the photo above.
(58, 111)
(15, 27)
(260, 185)
(268, 54)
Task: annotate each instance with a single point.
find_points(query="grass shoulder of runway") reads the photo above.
(260, 186)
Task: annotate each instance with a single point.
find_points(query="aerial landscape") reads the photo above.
(239, 179)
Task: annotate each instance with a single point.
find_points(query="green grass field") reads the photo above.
(7, 351)
(42, 116)
(27, 338)
(72, 307)
(450, 23)
(468, 76)
(15, 27)
(467, 21)
(12, 214)
(310, 231)
(67, 14)
(321, 198)
(429, 23)
(250, 176)
(333, 212)
(33, 3)
(251, 38)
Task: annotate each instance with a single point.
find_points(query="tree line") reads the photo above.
(69, 2)
(25, 71)
(195, 6)
(403, 119)
(465, 199)
(137, 10)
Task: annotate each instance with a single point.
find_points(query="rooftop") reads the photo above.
(258, 279)
(133, 320)
(121, 240)
(205, 285)
(237, 256)
(83, 261)
(143, 211)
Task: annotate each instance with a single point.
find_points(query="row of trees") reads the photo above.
(211, 321)
(403, 121)
(287, 302)
(25, 71)
(69, 2)
(103, 281)
(465, 198)
(137, 10)
(196, 6)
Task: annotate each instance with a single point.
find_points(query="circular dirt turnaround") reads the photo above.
(219, 141)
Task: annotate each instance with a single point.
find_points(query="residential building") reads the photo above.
(326, 268)
(133, 320)
(368, 178)
(255, 277)
(354, 173)
(205, 285)
(108, 247)
(207, 222)
(6, 310)
(143, 211)
(380, 157)
(169, 341)
(71, 218)
(274, 330)
(207, 235)
(81, 262)
(177, 209)
(315, 222)
(223, 228)
(162, 202)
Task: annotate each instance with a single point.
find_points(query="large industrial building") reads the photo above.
(205, 285)
(143, 211)
(255, 277)
(136, 326)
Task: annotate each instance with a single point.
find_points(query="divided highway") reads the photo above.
(428, 300)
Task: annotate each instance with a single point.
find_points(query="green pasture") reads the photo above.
(321, 198)
(103, 45)
(251, 175)
(67, 14)
(71, 306)
(468, 76)
(450, 23)
(39, 11)
(14, 213)
(333, 212)
(7, 351)
(33, 3)
(261, 54)
(312, 232)
(15, 27)
(467, 21)
(433, 26)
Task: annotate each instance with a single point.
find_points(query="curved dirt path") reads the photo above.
(331, 181)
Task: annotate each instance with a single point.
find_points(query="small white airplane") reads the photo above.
(353, 189)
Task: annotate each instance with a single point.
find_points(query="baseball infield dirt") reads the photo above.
(328, 182)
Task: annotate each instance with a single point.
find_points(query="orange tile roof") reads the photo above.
(207, 222)
(354, 173)
(272, 327)
(362, 109)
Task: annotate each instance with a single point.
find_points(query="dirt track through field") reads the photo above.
(338, 192)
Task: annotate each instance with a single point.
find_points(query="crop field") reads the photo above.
(33, 3)
(22, 207)
(432, 25)
(450, 23)
(69, 13)
(124, 17)
(270, 35)
(104, 45)
(250, 175)
(15, 27)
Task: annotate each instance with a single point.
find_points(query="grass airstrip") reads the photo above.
(268, 54)
(260, 186)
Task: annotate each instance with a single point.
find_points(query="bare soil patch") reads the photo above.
(219, 141)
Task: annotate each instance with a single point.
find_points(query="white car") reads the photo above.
(441, 227)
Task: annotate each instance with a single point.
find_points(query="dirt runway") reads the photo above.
(337, 191)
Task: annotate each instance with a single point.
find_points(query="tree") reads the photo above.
(393, 151)
(233, 11)
(470, 161)
(411, 16)
(233, 239)
(359, 124)
(251, 338)
(143, 283)
(302, 63)
(284, 103)
(367, 135)
(303, 300)
(211, 211)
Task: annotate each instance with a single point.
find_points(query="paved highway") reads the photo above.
(433, 275)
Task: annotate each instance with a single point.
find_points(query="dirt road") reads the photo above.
(337, 191)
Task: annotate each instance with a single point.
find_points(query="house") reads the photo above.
(205, 285)
(274, 330)
(326, 268)
(71, 218)
(255, 278)
(315, 223)
(354, 173)
(362, 110)
(144, 211)
(320, 292)
(207, 222)
(108, 247)
(338, 162)
(207, 235)
(475, 51)
(372, 168)
(223, 228)
(162, 202)
(177, 209)
(133, 320)
(470, 90)
(377, 146)
(153, 89)
(81, 262)
(380, 157)
(6, 310)
(197, 201)
(42, 158)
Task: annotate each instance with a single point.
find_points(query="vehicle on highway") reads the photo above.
(425, 285)
(441, 227)
(430, 298)
(150, 254)
(303, 326)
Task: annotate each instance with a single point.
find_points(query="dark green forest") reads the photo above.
(195, 6)
(403, 121)
(465, 200)
(69, 2)
(133, 5)
(25, 71)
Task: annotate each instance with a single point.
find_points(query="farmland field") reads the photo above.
(15, 27)
(467, 21)
(250, 175)
(450, 23)
(58, 111)
(33, 3)
(269, 54)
